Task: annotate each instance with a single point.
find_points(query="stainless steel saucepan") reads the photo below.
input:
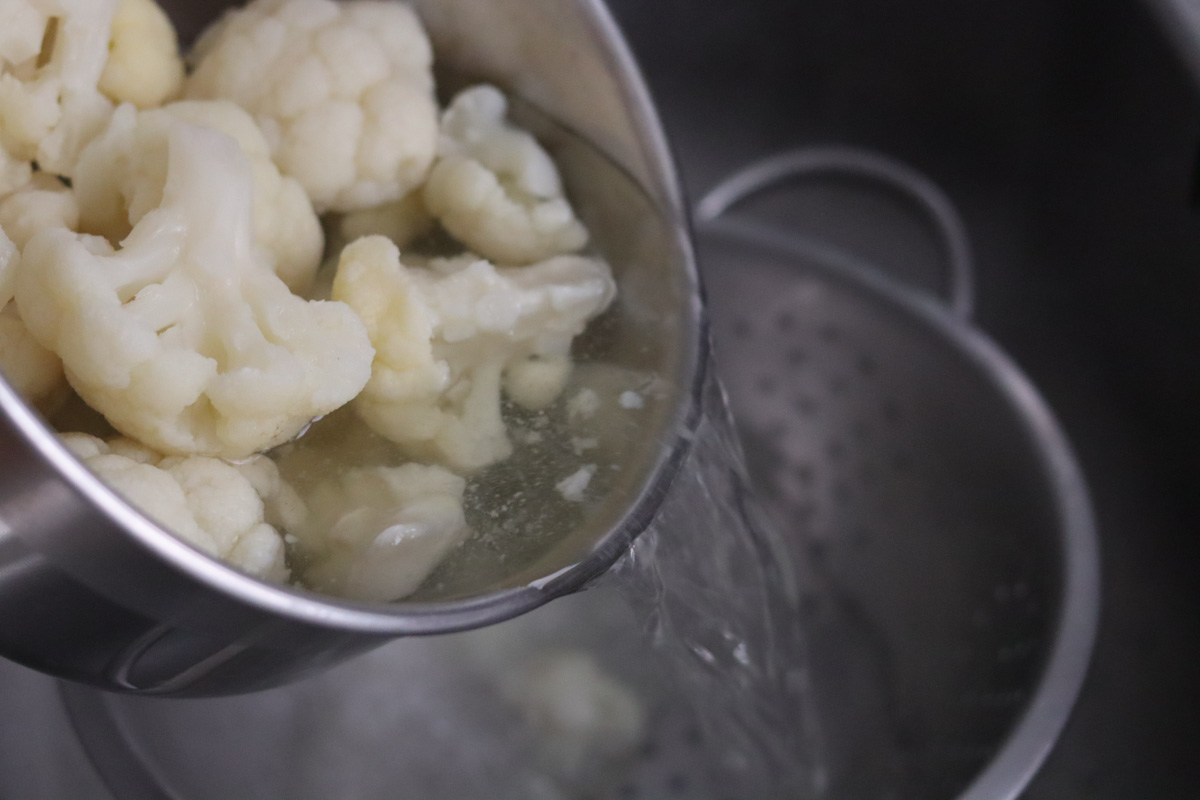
(92, 591)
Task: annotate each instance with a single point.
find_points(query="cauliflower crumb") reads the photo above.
(574, 485)
(343, 90)
(535, 383)
(581, 444)
(631, 400)
(495, 188)
(583, 405)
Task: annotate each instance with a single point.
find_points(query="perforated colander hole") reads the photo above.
(1011, 653)
(649, 750)
(816, 549)
(1016, 596)
(861, 538)
(797, 357)
(999, 700)
(1018, 651)
(968, 752)
(807, 405)
(677, 784)
(804, 513)
(776, 430)
(835, 449)
(804, 473)
(811, 604)
(890, 411)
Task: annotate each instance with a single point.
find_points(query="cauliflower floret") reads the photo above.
(445, 336)
(32, 370)
(376, 533)
(116, 188)
(52, 53)
(344, 92)
(583, 716)
(204, 501)
(495, 188)
(144, 66)
(10, 260)
(284, 508)
(183, 338)
(35, 372)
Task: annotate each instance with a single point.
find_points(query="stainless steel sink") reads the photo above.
(1066, 133)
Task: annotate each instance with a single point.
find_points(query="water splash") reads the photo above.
(715, 588)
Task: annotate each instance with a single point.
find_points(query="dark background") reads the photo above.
(1067, 133)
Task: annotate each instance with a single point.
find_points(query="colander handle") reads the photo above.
(814, 162)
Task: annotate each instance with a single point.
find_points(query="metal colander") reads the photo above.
(937, 507)
(937, 521)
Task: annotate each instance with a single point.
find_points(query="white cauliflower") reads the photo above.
(52, 53)
(35, 372)
(376, 533)
(32, 370)
(283, 507)
(183, 338)
(116, 186)
(144, 66)
(583, 716)
(343, 91)
(445, 336)
(43, 202)
(495, 188)
(206, 502)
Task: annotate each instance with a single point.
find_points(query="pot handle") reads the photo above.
(808, 163)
